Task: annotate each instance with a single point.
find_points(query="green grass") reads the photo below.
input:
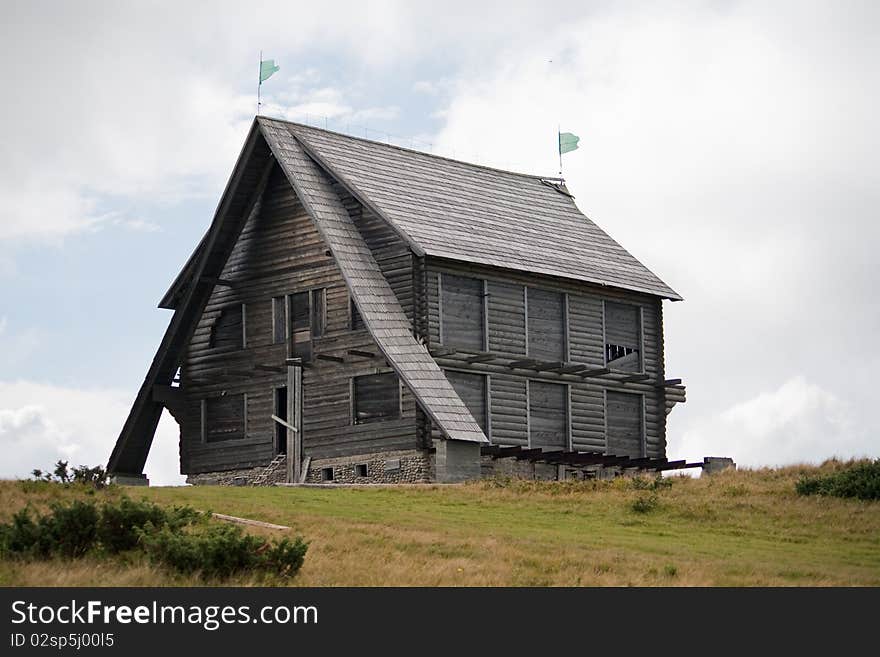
(736, 528)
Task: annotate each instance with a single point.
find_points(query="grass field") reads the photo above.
(741, 528)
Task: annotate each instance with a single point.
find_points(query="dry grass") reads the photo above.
(746, 528)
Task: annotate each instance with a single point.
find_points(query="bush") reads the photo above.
(96, 476)
(223, 550)
(861, 481)
(69, 531)
(121, 524)
(644, 503)
(180, 538)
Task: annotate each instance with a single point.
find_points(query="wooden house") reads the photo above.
(385, 315)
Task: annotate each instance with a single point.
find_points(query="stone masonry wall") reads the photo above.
(396, 467)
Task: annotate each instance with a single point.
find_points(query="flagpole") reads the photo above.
(260, 82)
(559, 147)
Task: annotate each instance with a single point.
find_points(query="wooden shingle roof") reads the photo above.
(376, 301)
(461, 211)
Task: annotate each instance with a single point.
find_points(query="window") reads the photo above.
(224, 418)
(548, 415)
(472, 390)
(375, 397)
(623, 336)
(227, 331)
(356, 321)
(279, 320)
(625, 434)
(546, 325)
(360, 470)
(299, 317)
(280, 411)
(326, 474)
(462, 312)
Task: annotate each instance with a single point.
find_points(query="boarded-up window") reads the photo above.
(623, 418)
(223, 418)
(462, 312)
(357, 322)
(472, 390)
(307, 319)
(623, 336)
(548, 415)
(507, 318)
(227, 332)
(376, 397)
(546, 316)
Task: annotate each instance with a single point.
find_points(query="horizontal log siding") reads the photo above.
(586, 346)
(280, 252)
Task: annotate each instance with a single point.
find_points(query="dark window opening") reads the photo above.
(280, 429)
(326, 474)
(462, 315)
(307, 319)
(227, 332)
(223, 418)
(360, 470)
(279, 320)
(623, 417)
(623, 336)
(546, 325)
(376, 397)
(548, 415)
(357, 322)
(472, 388)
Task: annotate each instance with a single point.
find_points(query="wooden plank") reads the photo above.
(248, 522)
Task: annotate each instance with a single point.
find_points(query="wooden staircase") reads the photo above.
(278, 463)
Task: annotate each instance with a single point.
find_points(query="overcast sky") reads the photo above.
(730, 146)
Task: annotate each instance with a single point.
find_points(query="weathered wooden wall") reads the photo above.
(280, 252)
(585, 335)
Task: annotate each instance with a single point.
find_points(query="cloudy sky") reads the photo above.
(731, 146)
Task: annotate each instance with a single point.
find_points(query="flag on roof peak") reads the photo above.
(267, 69)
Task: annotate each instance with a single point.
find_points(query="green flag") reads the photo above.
(267, 68)
(567, 142)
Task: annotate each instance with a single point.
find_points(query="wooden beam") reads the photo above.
(283, 423)
(634, 378)
(480, 358)
(525, 363)
(335, 359)
(227, 371)
(571, 369)
(672, 382)
(217, 281)
(248, 521)
(361, 353)
(544, 367)
(269, 368)
(602, 371)
(528, 454)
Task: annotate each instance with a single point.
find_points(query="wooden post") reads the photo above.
(294, 412)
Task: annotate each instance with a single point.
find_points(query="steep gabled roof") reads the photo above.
(461, 211)
(376, 301)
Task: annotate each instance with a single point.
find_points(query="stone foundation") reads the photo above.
(397, 467)
(245, 477)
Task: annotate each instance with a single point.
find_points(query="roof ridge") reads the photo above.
(533, 176)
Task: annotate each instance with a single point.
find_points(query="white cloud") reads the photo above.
(799, 422)
(41, 423)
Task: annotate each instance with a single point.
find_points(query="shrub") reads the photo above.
(121, 524)
(644, 503)
(222, 550)
(658, 482)
(861, 480)
(83, 474)
(68, 531)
